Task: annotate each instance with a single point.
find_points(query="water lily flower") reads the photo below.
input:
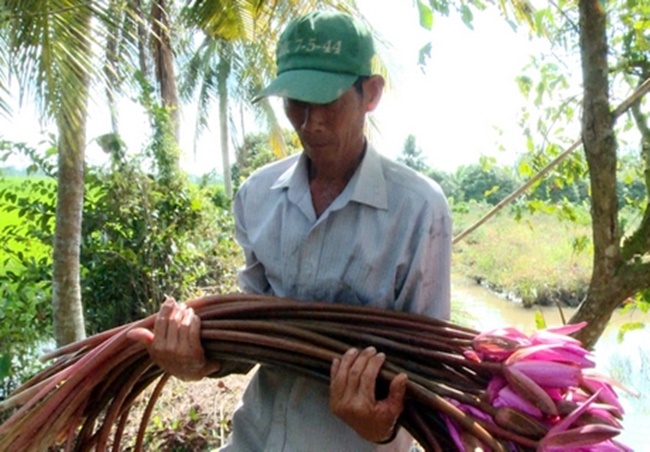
(530, 390)
(507, 397)
(498, 344)
(549, 373)
(458, 435)
(548, 385)
(562, 353)
(601, 385)
(558, 334)
(595, 437)
(592, 437)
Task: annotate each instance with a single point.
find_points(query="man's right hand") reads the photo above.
(175, 343)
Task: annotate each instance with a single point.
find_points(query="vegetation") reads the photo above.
(147, 231)
(540, 260)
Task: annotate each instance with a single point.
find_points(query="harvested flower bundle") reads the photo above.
(499, 390)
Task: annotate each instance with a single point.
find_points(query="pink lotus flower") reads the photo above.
(497, 345)
(548, 376)
(456, 433)
(561, 353)
(549, 373)
(593, 437)
(507, 397)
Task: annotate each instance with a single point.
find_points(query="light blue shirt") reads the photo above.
(385, 242)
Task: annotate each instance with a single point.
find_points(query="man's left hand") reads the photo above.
(352, 394)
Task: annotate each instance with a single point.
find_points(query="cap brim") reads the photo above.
(311, 86)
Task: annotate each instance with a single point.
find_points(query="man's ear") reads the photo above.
(373, 87)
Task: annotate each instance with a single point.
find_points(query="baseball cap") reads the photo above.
(319, 56)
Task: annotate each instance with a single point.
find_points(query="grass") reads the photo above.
(538, 259)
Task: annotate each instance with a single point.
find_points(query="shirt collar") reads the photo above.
(367, 185)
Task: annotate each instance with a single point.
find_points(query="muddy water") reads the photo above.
(628, 362)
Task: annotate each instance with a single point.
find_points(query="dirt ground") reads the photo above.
(188, 416)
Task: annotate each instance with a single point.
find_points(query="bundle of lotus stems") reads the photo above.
(498, 390)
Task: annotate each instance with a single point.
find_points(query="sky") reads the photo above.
(466, 94)
(455, 107)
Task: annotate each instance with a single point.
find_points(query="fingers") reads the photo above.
(142, 335)
(191, 328)
(397, 390)
(355, 374)
(162, 319)
(176, 324)
(352, 394)
(363, 370)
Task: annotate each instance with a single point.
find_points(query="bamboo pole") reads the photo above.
(641, 91)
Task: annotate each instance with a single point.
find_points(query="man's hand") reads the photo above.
(352, 394)
(175, 344)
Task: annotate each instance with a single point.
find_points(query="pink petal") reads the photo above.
(549, 373)
(529, 390)
(567, 329)
(547, 337)
(454, 432)
(568, 420)
(499, 344)
(551, 352)
(586, 435)
(494, 386)
(604, 391)
(509, 398)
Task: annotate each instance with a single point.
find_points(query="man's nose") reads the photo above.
(313, 117)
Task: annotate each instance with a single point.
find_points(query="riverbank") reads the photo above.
(537, 260)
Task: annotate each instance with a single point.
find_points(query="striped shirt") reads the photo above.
(384, 242)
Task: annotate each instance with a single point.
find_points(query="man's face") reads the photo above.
(333, 131)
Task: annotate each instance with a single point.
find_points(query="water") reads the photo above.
(628, 362)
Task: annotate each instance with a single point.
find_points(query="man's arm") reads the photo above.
(251, 278)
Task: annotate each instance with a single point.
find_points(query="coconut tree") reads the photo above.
(49, 49)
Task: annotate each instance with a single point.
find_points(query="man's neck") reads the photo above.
(326, 183)
(334, 172)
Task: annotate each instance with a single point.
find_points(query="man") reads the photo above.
(336, 223)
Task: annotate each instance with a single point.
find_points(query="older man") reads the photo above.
(338, 223)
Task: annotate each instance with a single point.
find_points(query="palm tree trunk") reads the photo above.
(164, 61)
(136, 5)
(223, 71)
(71, 122)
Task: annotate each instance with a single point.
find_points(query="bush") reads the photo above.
(144, 239)
(27, 208)
(148, 234)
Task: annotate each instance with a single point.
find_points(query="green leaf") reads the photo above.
(5, 365)
(426, 15)
(424, 55)
(525, 169)
(632, 326)
(467, 15)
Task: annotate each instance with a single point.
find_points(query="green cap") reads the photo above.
(319, 57)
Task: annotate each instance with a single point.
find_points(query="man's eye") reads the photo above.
(294, 104)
